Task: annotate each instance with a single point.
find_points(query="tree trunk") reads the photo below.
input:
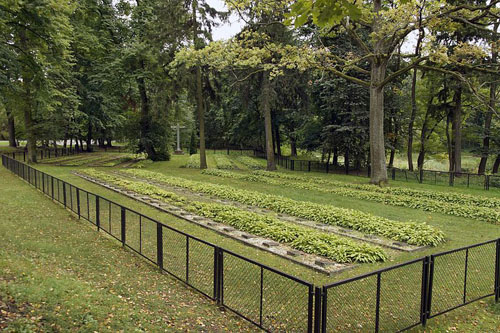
(496, 165)
(485, 151)
(145, 122)
(449, 144)
(89, 138)
(413, 114)
(265, 105)
(278, 137)
(346, 160)
(335, 161)
(457, 130)
(30, 135)
(377, 146)
(293, 146)
(199, 92)
(109, 144)
(11, 126)
(201, 118)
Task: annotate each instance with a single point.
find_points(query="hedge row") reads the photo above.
(469, 211)
(251, 162)
(449, 197)
(223, 162)
(337, 248)
(193, 162)
(409, 232)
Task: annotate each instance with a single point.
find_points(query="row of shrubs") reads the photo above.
(370, 193)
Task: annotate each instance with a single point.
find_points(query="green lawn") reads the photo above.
(59, 274)
(459, 231)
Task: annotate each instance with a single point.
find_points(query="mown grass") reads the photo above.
(58, 274)
(459, 231)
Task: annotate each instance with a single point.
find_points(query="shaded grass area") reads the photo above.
(58, 274)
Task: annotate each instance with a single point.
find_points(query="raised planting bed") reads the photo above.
(412, 233)
(338, 249)
(377, 240)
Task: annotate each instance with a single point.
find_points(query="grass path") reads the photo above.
(57, 274)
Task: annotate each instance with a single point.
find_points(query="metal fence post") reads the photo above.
(52, 187)
(216, 275)
(424, 291)
(97, 213)
(377, 304)
(123, 223)
(429, 288)
(78, 201)
(317, 311)
(64, 193)
(159, 245)
(187, 259)
(497, 272)
(465, 274)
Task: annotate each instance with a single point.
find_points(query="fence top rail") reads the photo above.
(465, 248)
(376, 272)
(291, 277)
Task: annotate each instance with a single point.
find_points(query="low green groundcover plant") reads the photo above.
(363, 192)
(409, 232)
(337, 248)
(193, 162)
(223, 162)
(250, 162)
(449, 197)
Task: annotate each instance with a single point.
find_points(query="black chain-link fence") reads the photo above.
(269, 298)
(390, 300)
(397, 298)
(44, 153)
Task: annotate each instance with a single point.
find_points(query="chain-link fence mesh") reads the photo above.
(285, 303)
(480, 272)
(462, 276)
(346, 311)
(133, 230)
(448, 281)
(201, 266)
(241, 287)
(400, 297)
(148, 238)
(174, 253)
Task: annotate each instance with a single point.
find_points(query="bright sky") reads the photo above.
(226, 30)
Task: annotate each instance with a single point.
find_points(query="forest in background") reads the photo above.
(360, 81)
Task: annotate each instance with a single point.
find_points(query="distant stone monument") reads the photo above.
(178, 151)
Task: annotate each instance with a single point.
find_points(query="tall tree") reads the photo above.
(389, 25)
